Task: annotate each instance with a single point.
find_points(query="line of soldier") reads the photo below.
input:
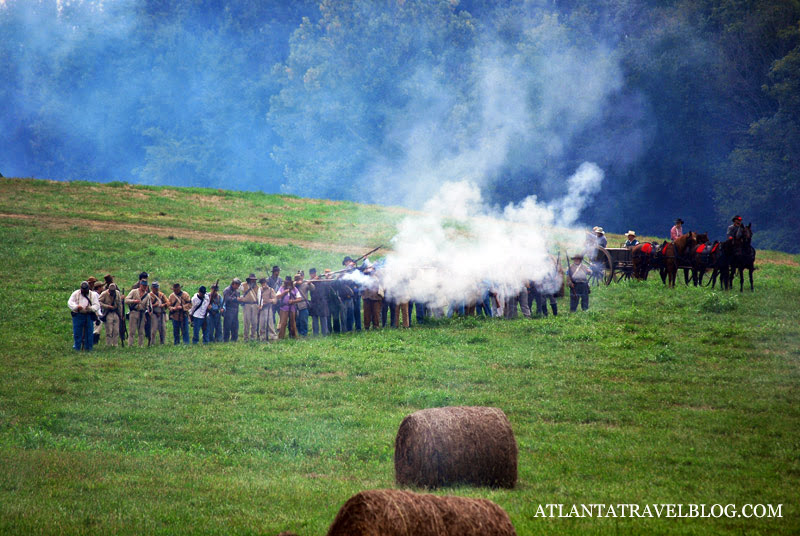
(273, 306)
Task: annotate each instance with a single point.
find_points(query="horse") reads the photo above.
(645, 257)
(743, 257)
(721, 265)
(704, 256)
(673, 253)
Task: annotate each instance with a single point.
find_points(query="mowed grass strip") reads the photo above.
(653, 396)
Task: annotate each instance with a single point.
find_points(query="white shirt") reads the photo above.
(79, 300)
(200, 312)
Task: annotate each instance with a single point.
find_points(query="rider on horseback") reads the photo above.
(735, 230)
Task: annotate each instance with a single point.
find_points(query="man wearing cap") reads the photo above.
(677, 230)
(266, 320)
(84, 307)
(249, 301)
(631, 240)
(97, 325)
(215, 310)
(602, 241)
(578, 281)
(138, 301)
(179, 306)
(158, 311)
(735, 229)
(230, 297)
(111, 303)
(197, 315)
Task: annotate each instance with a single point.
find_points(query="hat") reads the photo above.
(108, 278)
(143, 275)
(312, 271)
(737, 218)
(346, 260)
(276, 268)
(629, 233)
(327, 271)
(577, 256)
(98, 284)
(143, 282)
(298, 277)
(251, 276)
(84, 284)
(678, 221)
(598, 230)
(155, 284)
(236, 280)
(112, 286)
(262, 280)
(91, 280)
(287, 278)
(202, 289)
(214, 287)
(176, 285)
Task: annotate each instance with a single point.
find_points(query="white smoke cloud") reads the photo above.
(457, 246)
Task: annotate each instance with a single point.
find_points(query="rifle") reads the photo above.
(350, 269)
(368, 253)
(123, 326)
(211, 297)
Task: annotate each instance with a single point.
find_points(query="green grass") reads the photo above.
(653, 396)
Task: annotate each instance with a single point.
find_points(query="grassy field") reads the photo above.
(653, 396)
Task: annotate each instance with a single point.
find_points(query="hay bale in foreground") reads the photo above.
(456, 445)
(388, 512)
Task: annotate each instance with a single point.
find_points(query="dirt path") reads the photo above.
(50, 222)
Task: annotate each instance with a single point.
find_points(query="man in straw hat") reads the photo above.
(631, 240)
(249, 303)
(84, 306)
(578, 281)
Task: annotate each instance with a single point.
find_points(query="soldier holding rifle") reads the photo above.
(158, 308)
(179, 305)
(138, 301)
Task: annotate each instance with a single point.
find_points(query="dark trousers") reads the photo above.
(82, 331)
(388, 307)
(346, 319)
(357, 311)
(302, 322)
(230, 327)
(579, 292)
(214, 327)
(420, 308)
(180, 327)
(197, 325)
(541, 304)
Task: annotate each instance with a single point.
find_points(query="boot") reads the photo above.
(554, 306)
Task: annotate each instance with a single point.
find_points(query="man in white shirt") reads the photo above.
(578, 281)
(84, 306)
(200, 303)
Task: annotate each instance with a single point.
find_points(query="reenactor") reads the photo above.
(138, 301)
(249, 301)
(84, 307)
(215, 310)
(578, 281)
(111, 304)
(230, 297)
(179, 305)
(266, 319)
(158, 313)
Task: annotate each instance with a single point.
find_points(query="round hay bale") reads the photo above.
(456, 445)
(388, 512)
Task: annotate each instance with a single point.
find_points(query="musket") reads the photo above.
(351, 268)
(368, 253)
(123, 331)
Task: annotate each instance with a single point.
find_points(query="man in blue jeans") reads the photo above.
(179, 306)
(197, 315)
(84, 306)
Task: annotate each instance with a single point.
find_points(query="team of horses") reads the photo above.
(693, 253)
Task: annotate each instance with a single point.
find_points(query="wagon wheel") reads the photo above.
(622, 272)
(602, 268)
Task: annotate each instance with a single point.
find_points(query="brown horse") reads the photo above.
(743, 257)
(643, 257)
(704, 256)
(675, 253)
